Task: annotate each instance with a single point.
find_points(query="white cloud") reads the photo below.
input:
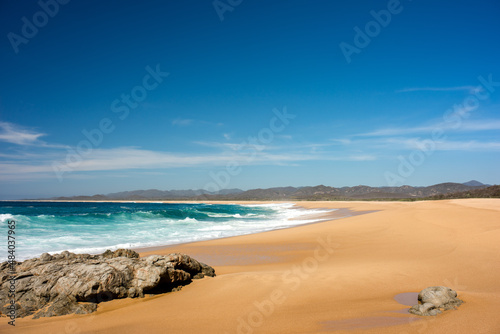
(188, 121)
(342, 141)
(480, 126)
(350, 157)
(225, 146)
(182, 122)
(285, 137)
(397, 131)
(129, 158)
(468, 89)
(465, 126)
(14, 134)
(471, 145)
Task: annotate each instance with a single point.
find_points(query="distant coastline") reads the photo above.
(471, 189)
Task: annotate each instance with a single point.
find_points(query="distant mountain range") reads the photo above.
(489, 192)
(320, 192)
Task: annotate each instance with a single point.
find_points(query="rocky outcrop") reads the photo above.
(67, 283)
(434, 300)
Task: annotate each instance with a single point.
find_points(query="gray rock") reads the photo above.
(434, 300)
(68, 283)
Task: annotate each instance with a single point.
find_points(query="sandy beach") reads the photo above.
(346, 275)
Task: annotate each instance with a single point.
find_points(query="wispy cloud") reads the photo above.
(468, 126)
(341, 141)
(15, 134)
(468, 89)
(130, 158)
(395, 131)
(182, 122)
(188, 122)
(23, 155)
(247, 145)
(285, 137)
(360, 157)
(19, 135)
(382, 145)
(228, 146)
(37, 161)
(470, 145)
(481, 126)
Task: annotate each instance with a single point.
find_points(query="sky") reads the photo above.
(106, 96)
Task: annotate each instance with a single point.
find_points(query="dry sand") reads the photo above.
(350, 275)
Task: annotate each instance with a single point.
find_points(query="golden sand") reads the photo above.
(343, 275)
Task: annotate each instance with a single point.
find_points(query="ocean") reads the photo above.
(93, 227)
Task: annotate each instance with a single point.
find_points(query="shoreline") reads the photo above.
(311, 218)
(348, 275)
(339, 213)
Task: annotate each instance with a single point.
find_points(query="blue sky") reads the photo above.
(98, 97)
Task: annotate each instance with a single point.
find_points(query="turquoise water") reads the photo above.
(94, 227)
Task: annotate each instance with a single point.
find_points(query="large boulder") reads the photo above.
(67, 283)
(434, 300)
